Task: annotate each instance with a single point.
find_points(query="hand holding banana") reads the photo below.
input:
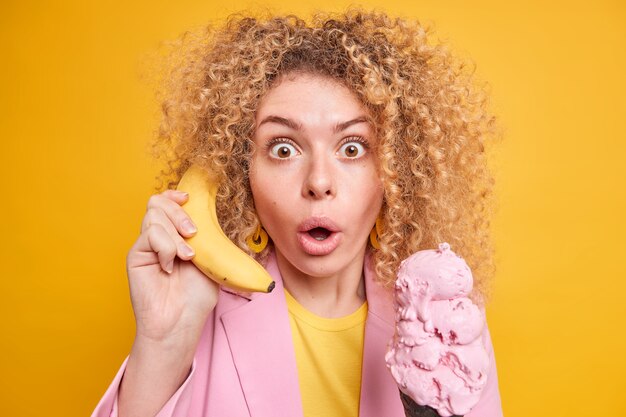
(171, 297)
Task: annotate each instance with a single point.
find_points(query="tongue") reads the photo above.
(319, 233)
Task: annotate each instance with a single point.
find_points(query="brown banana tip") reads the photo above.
(271, 287)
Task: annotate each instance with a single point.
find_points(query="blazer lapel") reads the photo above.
(259, 336)
(380, 395)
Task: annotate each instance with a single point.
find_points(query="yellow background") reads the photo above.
(76, 177)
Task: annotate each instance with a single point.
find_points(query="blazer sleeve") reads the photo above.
(489, 404)
(177, 406)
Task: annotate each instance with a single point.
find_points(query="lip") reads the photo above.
(318, 221)
(316, 247)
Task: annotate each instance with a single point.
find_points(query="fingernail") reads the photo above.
(170, 267)
(189, 227)
(186, 249)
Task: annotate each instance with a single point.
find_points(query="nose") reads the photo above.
(320, 181)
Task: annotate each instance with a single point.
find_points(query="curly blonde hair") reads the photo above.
(432, 123)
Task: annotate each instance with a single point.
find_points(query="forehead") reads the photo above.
(311, 96)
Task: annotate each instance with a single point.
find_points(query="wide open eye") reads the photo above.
(352, 149)
(282, 150)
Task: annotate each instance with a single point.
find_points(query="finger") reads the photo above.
(157, 240)
(176, 195)
(175, 213)
(157, 216)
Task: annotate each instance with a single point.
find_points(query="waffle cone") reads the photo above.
(413, 409)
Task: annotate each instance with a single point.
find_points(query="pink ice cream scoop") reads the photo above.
(438, 354)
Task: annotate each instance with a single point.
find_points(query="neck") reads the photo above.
(326, 295)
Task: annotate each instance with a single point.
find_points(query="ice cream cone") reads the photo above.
(437, 354)
(413, 409)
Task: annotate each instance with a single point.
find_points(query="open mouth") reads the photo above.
(319, 233)
(319, 236)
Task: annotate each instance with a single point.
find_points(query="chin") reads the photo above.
(319, 266)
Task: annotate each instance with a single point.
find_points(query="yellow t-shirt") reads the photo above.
(329, 354)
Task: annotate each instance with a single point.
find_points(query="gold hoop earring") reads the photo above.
(258, 241)
(376, 232)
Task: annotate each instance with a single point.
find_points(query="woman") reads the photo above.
(316, 132)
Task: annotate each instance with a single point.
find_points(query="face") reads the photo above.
(314, 174)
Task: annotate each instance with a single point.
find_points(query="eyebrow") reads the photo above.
(298, 126)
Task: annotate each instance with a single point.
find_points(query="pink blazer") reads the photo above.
(245, 365)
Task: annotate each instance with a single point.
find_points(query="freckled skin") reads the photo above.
(316, 173)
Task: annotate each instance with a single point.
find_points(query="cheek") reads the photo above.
(267, 192)
(258, 180)
(374, 200)
(370, 187)
(373, 194)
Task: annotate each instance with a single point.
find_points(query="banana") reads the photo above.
(216, 255)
